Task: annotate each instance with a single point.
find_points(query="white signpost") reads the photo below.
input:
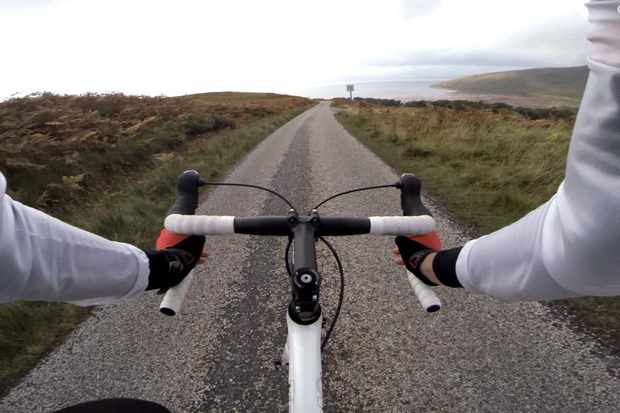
(350, 89)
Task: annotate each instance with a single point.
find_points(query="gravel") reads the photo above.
(386, 354)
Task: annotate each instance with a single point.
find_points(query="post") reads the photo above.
(350, 89)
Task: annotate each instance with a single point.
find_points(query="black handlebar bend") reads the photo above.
(186, 201)
(410, 196)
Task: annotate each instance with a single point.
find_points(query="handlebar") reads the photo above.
(180, 221)
(280, 225)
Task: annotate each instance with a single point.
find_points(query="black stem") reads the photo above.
(255, 187)
(368, 188)
(340, 297)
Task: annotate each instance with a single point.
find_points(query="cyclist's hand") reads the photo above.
(411, 254)
(170, 265)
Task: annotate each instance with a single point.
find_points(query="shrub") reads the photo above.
(416, 151)
(415, 104)
(380, 102)
(110, 105)
(40, 118)
(196, 126)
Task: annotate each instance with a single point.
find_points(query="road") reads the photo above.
(385, 355)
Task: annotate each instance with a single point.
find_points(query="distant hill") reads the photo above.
(566, 82)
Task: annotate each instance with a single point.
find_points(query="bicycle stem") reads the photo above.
(305, 307)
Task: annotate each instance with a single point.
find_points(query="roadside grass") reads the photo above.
(553, 100)
(121, 188)
(488, 166)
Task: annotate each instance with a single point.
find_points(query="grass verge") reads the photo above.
(119, 189)
(489, 166)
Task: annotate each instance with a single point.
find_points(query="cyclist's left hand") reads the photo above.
(171, 265)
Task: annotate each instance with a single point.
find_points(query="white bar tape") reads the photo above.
(426, 296)
(174, 297)
(200, 224)
(417, 225)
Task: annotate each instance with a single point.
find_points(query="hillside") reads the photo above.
(108, 163)
(565, 83)
(55, 149)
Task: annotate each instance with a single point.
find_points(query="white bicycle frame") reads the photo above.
(303, 353)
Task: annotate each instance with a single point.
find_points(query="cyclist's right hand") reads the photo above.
(412, 251)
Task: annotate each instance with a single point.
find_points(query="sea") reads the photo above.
(404, 90)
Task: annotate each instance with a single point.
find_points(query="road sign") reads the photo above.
(350, 89)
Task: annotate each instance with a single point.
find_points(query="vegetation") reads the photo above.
(461, 105)
(566, 82)
(108, 164)
(488, 165)
(382, 102)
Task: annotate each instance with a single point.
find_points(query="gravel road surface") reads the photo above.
(386, 355)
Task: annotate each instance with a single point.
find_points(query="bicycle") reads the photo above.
(302, 351)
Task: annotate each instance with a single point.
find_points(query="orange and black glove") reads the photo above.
(173, 259)
(414, 249)
(176, 255)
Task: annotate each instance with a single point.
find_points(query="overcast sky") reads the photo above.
(188, 46)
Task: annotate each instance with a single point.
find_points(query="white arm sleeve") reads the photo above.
(570, 245)
(43, 258)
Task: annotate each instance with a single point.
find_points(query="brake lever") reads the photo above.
(185, 203)
(411, 204)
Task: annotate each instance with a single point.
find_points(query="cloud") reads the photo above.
(23, 4)
(489, 57)
(158, 46)
(417, 8)
(557, 42)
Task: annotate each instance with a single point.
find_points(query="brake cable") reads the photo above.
(203, 183)
(336, 257)
(367, 188)
(340, 297)
(329, 246)
(286, 257)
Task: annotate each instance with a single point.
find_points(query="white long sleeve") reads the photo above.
(43, 258)
(570, 246)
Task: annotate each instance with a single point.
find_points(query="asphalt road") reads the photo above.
(386, 354)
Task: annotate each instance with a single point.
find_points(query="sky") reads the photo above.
(177, 47)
